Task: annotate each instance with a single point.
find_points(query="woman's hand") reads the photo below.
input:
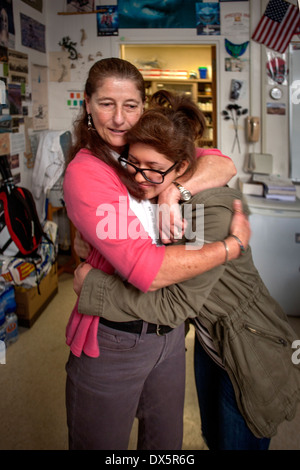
(171, 223)
(240, 226)
(80, 274)
(81, 247)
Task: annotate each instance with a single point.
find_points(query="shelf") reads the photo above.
(195, 88)
(202, 95)
(77, 12)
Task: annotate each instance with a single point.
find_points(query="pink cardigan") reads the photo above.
(98, 205)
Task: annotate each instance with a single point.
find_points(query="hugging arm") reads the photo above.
(212, 170)
(108, 296)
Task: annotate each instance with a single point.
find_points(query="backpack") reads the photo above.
(20, 229)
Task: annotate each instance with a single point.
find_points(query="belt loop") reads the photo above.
(144, 328)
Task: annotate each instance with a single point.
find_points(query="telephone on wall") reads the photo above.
(253, 128)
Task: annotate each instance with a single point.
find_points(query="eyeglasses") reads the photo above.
(153, 176)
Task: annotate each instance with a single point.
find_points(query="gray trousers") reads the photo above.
(135, 375)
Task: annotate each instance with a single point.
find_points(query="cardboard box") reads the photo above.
(31, 303)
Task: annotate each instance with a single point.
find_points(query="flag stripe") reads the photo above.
(283, 28)
(276, 31)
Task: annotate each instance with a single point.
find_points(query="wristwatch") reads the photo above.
(185, 195)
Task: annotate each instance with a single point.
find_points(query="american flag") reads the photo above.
(280, 22)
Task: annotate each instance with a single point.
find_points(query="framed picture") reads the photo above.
(80, 6)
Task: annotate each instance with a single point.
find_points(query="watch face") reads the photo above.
(186, 195)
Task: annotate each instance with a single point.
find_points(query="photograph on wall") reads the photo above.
(14, 161)
(276, 108)
(4, 141)
(236, 88)
(7, 27)
(107, 20)
(37, 4)
(32, 33)
(235, 19)
(208, 18)
(17, 66)
(80, 6)
(277, 68)
(167, 14)
(233, 64)
(14, 98)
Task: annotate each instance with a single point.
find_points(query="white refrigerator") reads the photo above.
(275, 244)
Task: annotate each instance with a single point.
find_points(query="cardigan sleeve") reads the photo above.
(118, 301)
(98, 205)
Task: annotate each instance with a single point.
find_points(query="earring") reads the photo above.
(89, 123)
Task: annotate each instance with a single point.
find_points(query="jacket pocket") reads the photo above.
(264, 334)
(262, 360)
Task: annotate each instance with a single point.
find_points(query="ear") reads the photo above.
(87, 103)
(182, 168)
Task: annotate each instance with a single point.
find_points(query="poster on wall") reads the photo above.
(77, 6)
(59, 67)
(32, 33)
(75, 99)
(107, 20)
(7, 27)
(17, 67)
(14, 98)
(37, 4)
(277, 68)
(235, 19)
(39, 88)
(208, 18)
(155, 14)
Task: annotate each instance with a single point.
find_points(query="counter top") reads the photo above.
(257, 202)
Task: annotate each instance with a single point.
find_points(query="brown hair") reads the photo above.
(171, 126)
(106, 68)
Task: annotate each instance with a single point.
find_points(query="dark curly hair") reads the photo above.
(172, 125)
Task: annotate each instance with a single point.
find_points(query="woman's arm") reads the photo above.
(178, 266)
(91, 190)
(109, 297)
(213, 169)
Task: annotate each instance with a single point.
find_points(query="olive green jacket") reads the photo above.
(250, 331)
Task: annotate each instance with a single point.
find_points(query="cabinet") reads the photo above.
(202, 91)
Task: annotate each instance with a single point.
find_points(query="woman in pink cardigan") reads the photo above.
(131, 373)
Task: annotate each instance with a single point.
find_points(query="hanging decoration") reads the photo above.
(235, 50)
(67, 44)
(234, 112)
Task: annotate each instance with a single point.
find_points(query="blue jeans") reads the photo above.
(223, 426)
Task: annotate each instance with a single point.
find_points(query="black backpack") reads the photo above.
(20, 229)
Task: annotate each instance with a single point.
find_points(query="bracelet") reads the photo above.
(242, 248)
(226, 250)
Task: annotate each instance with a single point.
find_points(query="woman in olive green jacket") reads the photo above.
(240, 326)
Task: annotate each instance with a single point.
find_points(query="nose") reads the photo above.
(139, 178)
(118, 115)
